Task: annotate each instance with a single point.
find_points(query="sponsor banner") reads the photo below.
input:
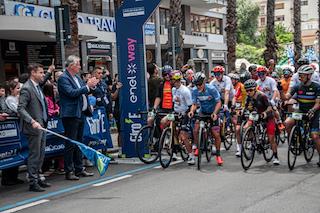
(14, 145)
(130, 19)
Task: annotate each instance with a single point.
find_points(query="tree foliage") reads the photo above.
(247, 23)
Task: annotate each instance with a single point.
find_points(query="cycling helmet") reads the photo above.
(189, 72)
(234, 76)
(303, 61)
(218, 69)
(199, 78)
(287, 71)
(252, 68)
(167, 69)
(262, 69)
(305, 69)
(176, 75)
(250, 84)
(274, 75)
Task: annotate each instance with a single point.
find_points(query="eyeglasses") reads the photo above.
(261, 73)
(217, 74)
(250, 90)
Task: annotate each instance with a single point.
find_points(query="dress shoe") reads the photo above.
(36, 188)
(44, 184)
(71, 176)
(84, 173)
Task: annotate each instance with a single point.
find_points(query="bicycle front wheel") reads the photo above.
(266, 147)
(230, 135)
(208, 147)
(147, 145)
(248, 148)
(166, 148)
(293, 147)
(201, 139)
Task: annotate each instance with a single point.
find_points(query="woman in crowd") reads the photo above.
(13, 91)
(53, 107)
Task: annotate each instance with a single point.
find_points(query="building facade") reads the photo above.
(284, 15)
(27, 34)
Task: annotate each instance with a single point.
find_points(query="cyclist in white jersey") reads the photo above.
(224, 85)
(267, 85)
(182, 100)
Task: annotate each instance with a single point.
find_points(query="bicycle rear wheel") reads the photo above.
(293, 147)
(248, 148)
(308, 150)
(230, 136)
(166, 148)
(147, 145)
(266, 147)
(200, 147)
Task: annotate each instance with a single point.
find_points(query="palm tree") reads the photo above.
(175, 21)
(73, 47)
(297, 29)
(231, 34)
(271, 41)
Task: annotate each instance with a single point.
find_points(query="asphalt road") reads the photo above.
(181, 188)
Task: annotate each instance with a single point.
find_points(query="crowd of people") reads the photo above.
(262, 89)
(36, 96)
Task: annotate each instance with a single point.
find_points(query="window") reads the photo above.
(262, 21)
(202, 24)
(263, 10)
(304, 2)
(279, 6)
(206, 24)
(279, 18)
(304, 17)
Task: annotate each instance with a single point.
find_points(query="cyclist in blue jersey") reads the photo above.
(208, 98)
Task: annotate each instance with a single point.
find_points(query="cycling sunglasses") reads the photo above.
(261, 73)
(250, 90)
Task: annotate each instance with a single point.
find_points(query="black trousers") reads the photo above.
(72, 155)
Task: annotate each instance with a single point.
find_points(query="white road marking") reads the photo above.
(25, 206)
(112, 180)
(173, 163)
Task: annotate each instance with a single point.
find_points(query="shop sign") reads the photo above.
(12, 50)
(99, 49)
(149, 28)
(13, 8)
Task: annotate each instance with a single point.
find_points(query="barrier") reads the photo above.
(14, 145)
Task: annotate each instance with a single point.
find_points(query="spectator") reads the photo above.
(34, 114)
(85, 75)
(23, 78)
(108, 79)
(9, 176)
(74, 106)
(153, 84)
(116, 110)
(53, 108)
(12, 99)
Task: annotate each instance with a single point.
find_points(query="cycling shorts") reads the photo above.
(314, 127)
(215, 125)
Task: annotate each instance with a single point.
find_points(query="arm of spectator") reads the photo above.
(12, 105)
(47, 76)
(65, 87)
(23, 102)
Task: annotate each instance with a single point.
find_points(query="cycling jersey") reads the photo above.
(207, 99)
(268, 86)
(165, 95)
(285, 82)
(224, 84)
(182, 99)
(295, 79)
(261, 104)
(240, 93)
(306, 95)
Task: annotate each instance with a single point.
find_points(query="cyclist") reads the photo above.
(295, 80)
(268, 86)
(307, 93)
(182, 100)
(253, 72)
(239, 99)
(208, 98)
(258, 101)
(189, 76)
(285, 81)
(224, 85)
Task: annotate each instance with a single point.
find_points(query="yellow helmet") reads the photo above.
(176, 75)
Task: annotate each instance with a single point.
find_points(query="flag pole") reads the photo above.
(54, 133)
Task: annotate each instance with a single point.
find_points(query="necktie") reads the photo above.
(44, 110)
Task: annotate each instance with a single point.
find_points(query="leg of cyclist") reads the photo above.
(184, 137)
(315, 133)
(289, 123)
(195, 136)
(271, 136)
(215, 130)
(235, 121)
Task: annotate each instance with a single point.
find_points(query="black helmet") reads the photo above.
(252, 68)
(250, 84)
(287, 71)
(303, 61)
(199, 78)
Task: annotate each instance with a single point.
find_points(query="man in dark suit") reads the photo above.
(73, 106)
(33, 111)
